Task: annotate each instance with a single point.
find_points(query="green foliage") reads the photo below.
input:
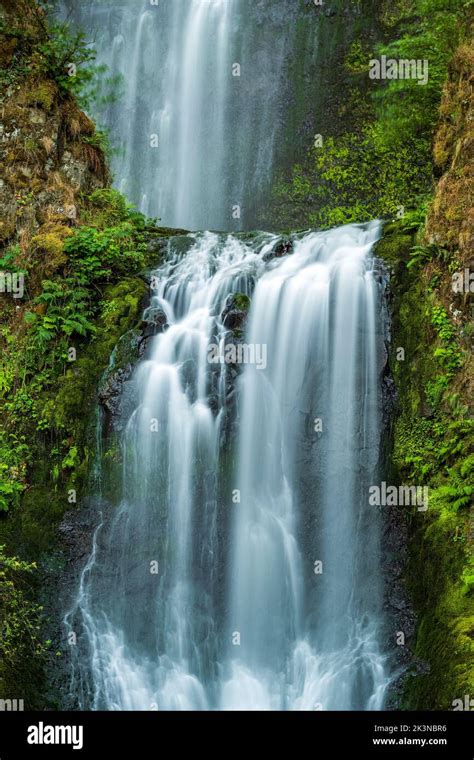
(353, 178)
(20, 624)
(381, 167)
(422, 254)
(107, 208)
(71, 459)
(67, 306)
(65, 58)
(407, 112)
(449, 355)
(456, 497)
(52, 50)
(88, 303)
(242, 301)
(13, 456)
(357, 60)
(7, 261)
(68, 312)
(414, 219)
(96, 254)
(99, 140)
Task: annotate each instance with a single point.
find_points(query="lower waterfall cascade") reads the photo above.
(240, 569)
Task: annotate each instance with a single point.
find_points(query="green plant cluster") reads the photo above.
(13, 452)
(354, 178)
(381, 167)
(47, 48)
(448, 355)
(95, 290)
(20, 625)
(433, 444)
(50, 366)
(95, 257)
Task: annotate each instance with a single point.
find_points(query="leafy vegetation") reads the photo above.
(382, 167)
(21, 643)
(433, 443)
(43, 49)
(70, 309)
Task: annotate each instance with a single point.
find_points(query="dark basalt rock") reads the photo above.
(399, 615)
(235, 312)
(112, 394)
(115, 392)
(154, 322)
(282, 248)
(234, 319)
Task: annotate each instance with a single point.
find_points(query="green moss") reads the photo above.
(50, 245)
(395, 245)
(43, 95)
(440, 564)
(379, 163)
(77, 386)
(22, 650)
(431, 447)
(242, 301)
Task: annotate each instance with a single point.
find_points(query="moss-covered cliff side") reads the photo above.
(432, 446)
(434, 430)
(372, 157)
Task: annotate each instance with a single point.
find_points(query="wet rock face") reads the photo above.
(282, 248)
(154, 322)
(234, 318)
(116, 394)
(400, 622)
(111, 394)
(235, 313)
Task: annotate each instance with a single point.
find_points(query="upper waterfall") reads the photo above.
(199, 112)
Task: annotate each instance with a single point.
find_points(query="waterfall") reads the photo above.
(240, 570)
(198, 112)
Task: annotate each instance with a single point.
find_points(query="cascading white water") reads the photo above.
(196, 123)
(194, 599)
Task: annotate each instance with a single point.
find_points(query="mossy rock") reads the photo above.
(42, 95)
(395, 244)
(241, 301)
(49, 245)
